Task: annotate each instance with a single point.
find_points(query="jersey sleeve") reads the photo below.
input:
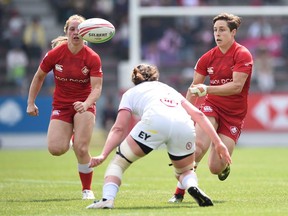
(125, 102)
(201, 65)
(46, 64)
(96, 64)
(243, 61)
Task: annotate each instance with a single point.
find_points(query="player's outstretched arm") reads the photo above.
(204, 123)
(117, 134)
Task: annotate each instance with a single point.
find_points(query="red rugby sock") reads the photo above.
(86, 180)
(179, 191)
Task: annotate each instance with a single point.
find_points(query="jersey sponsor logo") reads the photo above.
(59, 67)
(56, 112)
(153, 131)
(85, 70)
(234, 130)
(207, 109)
(63, 79)
(79, 80)
(221, 81)
(210, 70)
(189, 146)
(214, 82)
(143, 135)
(169, 102)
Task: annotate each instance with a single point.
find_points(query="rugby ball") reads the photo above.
(200, 90)
(96, 30)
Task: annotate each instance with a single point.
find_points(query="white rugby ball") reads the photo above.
(96, 30)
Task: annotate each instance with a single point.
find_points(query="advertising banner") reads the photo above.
(267, 113)
(14, 119)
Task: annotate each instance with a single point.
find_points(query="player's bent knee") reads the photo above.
(216, 167)
(117, 167)
(81, 151)
(124, 157)
(216, 170)
(57, 151)
(126, 152)
(179, 171)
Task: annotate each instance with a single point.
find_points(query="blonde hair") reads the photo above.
(59, 40)
(73, 17)
(145, 72)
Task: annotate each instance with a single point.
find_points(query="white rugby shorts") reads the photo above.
(175, 130)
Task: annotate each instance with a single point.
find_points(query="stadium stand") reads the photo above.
(188, 42)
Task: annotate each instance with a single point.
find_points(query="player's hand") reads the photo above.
(223, 153)
(80, 107)
(199, 90)
(96, 161)
(32, 110)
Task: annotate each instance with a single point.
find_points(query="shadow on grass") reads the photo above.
(147, 207)
(219, 201)
(40, 200)
(170, 206)
(156, 207)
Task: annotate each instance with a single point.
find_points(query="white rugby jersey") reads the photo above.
(153, 94)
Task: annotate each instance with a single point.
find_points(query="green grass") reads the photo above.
(32, 182)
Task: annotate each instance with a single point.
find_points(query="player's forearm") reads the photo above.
(191, 97)
(35, 87)
(115, 137)
(224, 90)
(94, 96)
(200, 118)
(206, 125)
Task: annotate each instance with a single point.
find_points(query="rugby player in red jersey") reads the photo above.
(229, 67)
(78, 84)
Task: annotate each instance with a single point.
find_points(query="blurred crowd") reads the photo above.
(172, 43)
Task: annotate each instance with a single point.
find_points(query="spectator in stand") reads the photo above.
(34, 40)
(264, 70)
(121, 39)
(188, 2)
(63, 9)
(170, 45)
(17, 62)
(151, 54)
(260, 29)
(103, 8)
(15, 28)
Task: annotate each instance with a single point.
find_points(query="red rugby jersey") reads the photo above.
(220, 67)
(71, 73)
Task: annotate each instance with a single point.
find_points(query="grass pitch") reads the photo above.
(32, 182)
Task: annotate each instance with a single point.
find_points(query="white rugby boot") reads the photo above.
(87, 195)
(102, 204)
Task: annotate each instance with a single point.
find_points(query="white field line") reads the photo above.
(37, 181)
